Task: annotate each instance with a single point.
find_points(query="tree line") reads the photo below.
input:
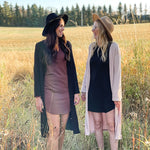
(34, 16)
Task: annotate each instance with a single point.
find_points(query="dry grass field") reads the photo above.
(19, 120)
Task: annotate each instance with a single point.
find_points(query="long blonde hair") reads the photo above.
(101, 42)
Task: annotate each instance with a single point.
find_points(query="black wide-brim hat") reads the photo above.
(52, 17)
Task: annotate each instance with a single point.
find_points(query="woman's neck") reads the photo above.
(99, 44)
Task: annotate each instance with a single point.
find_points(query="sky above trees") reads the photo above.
(34, 16)
(58, 4)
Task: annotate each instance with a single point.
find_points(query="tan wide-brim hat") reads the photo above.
(107, 24)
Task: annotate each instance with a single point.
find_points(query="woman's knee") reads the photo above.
(111, 126)
(98, 125)
(54, 131)
(62, 131)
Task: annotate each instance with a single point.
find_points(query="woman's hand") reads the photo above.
(83, 96)
(76, 99)
(39, 104)
(117, 104)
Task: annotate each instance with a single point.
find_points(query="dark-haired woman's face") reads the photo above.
(60, 28)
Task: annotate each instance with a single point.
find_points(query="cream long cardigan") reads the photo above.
(115, 80)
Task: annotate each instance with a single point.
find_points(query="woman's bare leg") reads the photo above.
(54, 131)
(110, 117)
(98, 121)
(63, 122)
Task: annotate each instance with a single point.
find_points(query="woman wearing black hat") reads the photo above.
(55, 82)
(101, 87)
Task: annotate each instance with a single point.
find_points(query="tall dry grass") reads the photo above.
(19, 121)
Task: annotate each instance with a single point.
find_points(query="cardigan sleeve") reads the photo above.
(37, 90)
(73, 68)
(84, 83)
(116, 74)
(83, 88)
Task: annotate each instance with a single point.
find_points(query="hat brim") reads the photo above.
(95, 18)
(45, 30)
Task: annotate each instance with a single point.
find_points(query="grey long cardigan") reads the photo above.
(115, 80)
(39, 75)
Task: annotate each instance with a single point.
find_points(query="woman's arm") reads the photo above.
(115, 72)
(37, 90)
(73, 68)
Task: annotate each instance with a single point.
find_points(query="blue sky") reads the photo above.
(57, 4)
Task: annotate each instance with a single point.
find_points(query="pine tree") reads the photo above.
(99, 11)
(78, 15)
(17, 16)
(140, 12)
(11, 16)
(28, 18)
(5, 13)
(34, 15)
(110, 10)
(93, 9)
(41, 18)
(89, 16)
(62, 10)
(135, 12)
(72, 16)
(84, 15)
(67, 11)
(1, 15)
(120, 10)
(104, 10)
(125, 13)
(130, 14)
(145, 12)
(23, 23)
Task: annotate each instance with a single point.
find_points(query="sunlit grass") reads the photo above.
(20, 122)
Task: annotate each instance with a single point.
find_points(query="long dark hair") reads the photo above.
(50, 52)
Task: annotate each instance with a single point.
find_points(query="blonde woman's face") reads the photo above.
(60, 28)
(95, 30)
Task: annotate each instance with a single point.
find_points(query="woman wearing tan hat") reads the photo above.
(101, 87)
(55, 83)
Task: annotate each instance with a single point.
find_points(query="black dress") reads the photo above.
(99, 94)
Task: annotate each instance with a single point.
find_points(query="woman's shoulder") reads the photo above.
(40, 46)
(69, 44)
(114, 47)
(91, 46)
(40, 43)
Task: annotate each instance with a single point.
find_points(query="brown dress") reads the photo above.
(57, 99)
